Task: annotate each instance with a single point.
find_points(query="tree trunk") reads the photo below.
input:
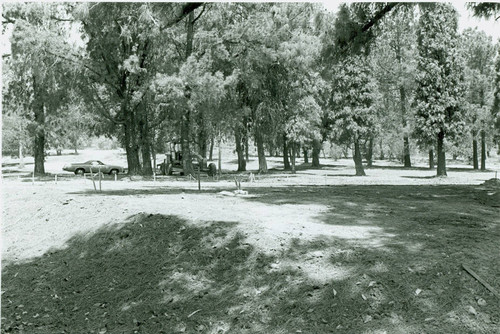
(483, 150)
(21, 157)
(260, 151)
(315, 152)
(286, 161)
(358, 161)
(39, 142)
(187, 165)
(131, 147)
(406, 152)
(153, 154)
(246, 146)
(147, 168)
(306, 158)
(431, 158)
(239, 151)
(212, 142)
(202, 138)
(145, 145)
(345, 151)
(406, 142)
(219, 162)
(369, 153)
(441, 163)
(474, 153)
(294, 153)
(382, 156)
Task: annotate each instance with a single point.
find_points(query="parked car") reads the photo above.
(96, 165)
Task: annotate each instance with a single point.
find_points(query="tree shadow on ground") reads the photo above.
(450, 169)
(146, 191)
(435, 230)
(160, 274)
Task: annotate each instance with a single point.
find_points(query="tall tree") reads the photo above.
(394, 61)
(479, 53)
(495, 108)
(353, 105)
(40, 76)
(440, 88)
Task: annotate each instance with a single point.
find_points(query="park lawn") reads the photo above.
(389, 261)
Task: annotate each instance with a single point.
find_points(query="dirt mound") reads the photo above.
(492, 183)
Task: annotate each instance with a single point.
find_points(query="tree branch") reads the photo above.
(103, 110)
(84, 65)
(182, 13)
(62, 19)
(7, 20)
(379, 15)
(201, 13)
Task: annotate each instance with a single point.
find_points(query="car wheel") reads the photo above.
(113, 172)
(80, 171)
(212, 170)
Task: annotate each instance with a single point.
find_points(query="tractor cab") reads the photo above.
(173, 162)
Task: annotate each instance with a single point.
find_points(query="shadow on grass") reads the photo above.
(420, 177)
(450, 169)
(146, 191)
(159, 274)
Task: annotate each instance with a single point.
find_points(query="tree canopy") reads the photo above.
(286, 77)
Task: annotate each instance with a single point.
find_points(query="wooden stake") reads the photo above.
(55, 178)
(100, 177)
(116, 176)
(92, 177)
(483, 282)
(154, 176)
(33, 178)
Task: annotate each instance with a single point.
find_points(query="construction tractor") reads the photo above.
(174, 163)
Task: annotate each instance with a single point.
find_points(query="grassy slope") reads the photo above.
(153, 273)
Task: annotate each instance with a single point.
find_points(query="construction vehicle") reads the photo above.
(173, 163)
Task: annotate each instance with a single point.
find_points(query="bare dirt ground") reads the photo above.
(323, 251)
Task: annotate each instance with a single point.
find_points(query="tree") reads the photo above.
(353, 110)
(440, 90)
(495, 108)
(394, 61)
(304, 126)
(479, 53)
(40, 76)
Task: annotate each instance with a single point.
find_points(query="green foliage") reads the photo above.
(355, 29)
(39, 78)
(478, 52)
(440, 88)
(394, 62)
(485, 9)
(353, 105)
(495, 109)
